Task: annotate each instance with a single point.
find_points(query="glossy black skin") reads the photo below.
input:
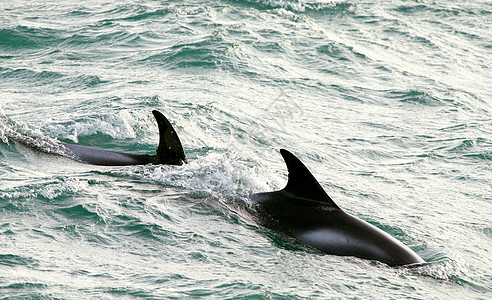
(304, 210)
(102, 157)
(169, 152)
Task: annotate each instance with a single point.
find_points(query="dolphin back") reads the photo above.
(304, 211)
(169, 151)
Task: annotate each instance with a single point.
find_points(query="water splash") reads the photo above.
(20, 132)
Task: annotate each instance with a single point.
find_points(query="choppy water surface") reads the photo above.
(389, 105)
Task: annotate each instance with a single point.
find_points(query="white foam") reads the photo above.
(443, 270)
(300, 6)
(56, 190)
(212, 173)
(118, 126)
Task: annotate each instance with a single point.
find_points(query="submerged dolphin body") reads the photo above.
(304, 210)
(169, 151)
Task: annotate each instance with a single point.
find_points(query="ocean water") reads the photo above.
(388, 103)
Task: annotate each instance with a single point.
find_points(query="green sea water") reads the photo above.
(388, 103)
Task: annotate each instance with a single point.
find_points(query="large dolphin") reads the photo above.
(303, 210)
(169, 151)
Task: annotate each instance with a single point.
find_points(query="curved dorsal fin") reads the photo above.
(302, 183)
(170, 150)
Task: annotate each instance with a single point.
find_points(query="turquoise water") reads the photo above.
(388, 104)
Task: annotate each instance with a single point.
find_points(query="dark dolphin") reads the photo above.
(304, 210)
(169, 151)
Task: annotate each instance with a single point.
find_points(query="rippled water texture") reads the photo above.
(388, 104)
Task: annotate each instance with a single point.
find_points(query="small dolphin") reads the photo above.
(304, 210)
(169, 151)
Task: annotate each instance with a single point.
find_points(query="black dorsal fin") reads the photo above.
(302, 183)
(170, 150)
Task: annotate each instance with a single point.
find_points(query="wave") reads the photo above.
(61, 188)
(90, 130)
(54, 81)
(443, 9)
(122, 125)
(11, 131)
(205, 52)
(20, 38)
